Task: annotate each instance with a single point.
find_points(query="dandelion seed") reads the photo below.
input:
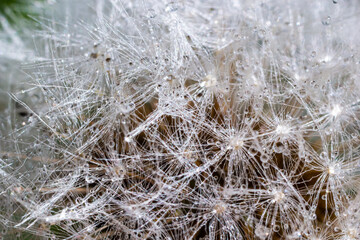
(331, 170)
(209, 81)
(236, 143)
(219, 208)
(336, 110)
(278, 195)
(282, 130)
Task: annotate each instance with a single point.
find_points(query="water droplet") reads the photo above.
(313, 217)
(278, 147)
(261, 33)
(264, 158)
(313, 53)
(151, 13)
(308, 159)
(266, 165)
(252, 151)
(171, 7)
(335, 1)
(111, 144)
(326, 21)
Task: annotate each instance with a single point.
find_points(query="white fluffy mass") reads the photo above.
(189, 119)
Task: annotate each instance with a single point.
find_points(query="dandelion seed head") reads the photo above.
(282, 129)
(187, 154)
(236, 143)
(331, 170)
(187, 120)
(209, 81)
(219, 208)
(336, 110)
(278, 195)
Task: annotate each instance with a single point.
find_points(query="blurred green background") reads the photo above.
(16, 11)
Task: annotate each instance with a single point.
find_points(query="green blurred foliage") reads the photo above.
(19, 11)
